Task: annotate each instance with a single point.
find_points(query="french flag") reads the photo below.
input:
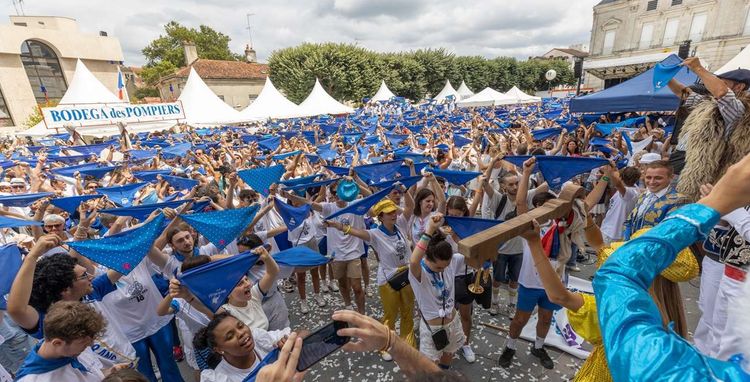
(120, 83)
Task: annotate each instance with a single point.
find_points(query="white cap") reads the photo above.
(649, 158)
(4, 184)
(17, 181)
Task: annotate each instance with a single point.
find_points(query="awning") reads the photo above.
(623, 66)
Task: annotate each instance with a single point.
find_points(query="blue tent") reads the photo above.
(635, 94)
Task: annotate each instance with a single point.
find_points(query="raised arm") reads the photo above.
(20, 292)
(272, 269)
(522, 204)
(415, 267)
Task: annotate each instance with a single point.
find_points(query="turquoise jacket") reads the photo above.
(638, 347)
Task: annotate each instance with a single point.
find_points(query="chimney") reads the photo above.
(250, 54)
(191, 53)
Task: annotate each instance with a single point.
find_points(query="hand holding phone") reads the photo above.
(321, 343)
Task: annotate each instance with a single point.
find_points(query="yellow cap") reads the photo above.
(384, 206)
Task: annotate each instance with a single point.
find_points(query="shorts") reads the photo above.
(456, 338)
(367, 250)
(464, 297)
(323, 246)
(507, 268)
(528, 298)
(347, 268)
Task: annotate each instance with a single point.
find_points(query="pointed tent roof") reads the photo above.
(383, 94)
(463, 91)
(202, 106)
(319, 102)
(740, 61)
(448, 90)
(270, 104)
(487, 97)
(521, 97)
(85, 88)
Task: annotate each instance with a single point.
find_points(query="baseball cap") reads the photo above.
(737, 75)
(649, 158)
(384, 206)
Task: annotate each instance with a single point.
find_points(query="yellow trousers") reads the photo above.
(399, 305)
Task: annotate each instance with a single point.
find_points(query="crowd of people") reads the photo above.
(104, 241)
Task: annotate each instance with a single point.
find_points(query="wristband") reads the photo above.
(425, 234)
(605, 178)
(421, 246)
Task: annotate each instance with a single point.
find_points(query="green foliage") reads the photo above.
(349, 72)
(36, 114)
(146, 91)
(165, 54)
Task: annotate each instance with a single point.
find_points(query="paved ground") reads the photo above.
(488, 343)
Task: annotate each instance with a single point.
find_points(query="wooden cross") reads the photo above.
(482, 246)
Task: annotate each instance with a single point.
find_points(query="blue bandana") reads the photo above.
(35, 364)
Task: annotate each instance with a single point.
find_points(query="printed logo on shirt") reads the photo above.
(136, 291)
(401, 250)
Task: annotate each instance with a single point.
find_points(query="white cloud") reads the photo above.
(491, 28)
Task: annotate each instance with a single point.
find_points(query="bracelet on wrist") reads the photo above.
(605, 178)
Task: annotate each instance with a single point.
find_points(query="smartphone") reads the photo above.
(320, 344)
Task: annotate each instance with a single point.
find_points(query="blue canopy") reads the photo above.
(635, 94)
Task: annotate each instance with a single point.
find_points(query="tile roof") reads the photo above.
(220, 69)
(573, 52)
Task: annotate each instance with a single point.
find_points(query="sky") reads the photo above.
(489, 28)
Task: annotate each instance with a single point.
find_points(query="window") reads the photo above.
(44, 72)
(647, 32)
(670, 31)
(698, 26)
(746, 31)
(5, 119)
(651, 5)
(676, 2)
(609, 42)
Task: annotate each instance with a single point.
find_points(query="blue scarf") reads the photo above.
(35, 364)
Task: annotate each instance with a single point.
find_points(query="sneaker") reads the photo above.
(304, 309)
(544, 358)
(574, 268)
(494, 310)
(286, 286)
(334, 287)
(324, 287)
(468, 353)
(369, 293)
(506, 357)
(510, 310)
(178, 354)
(386, 357)
(319, 300)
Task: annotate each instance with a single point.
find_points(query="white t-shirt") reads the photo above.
(251, 314)
(619, 208)
(67, 373)
(490, 204)
(134, 304)
(428, 294)
(343, 247)
(264, 343)
(304, 233)
(417, 226)
(392, 250)
(189, 319)
(528, 276)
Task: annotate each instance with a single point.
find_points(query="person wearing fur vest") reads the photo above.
(716, 133)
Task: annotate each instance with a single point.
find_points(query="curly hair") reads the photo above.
(52, 275)
(205, 338)
(72, 320)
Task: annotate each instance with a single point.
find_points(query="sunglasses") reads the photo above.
(53, 226)
(84, 276)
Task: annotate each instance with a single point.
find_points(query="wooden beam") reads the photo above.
(483, 245)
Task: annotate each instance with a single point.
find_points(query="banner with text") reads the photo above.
(110, 113)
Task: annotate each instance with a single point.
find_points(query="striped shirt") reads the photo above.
(731, 109)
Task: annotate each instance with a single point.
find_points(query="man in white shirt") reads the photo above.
(622, 202)
(65, 354)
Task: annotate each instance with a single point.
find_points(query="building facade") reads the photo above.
(237, 83)
(37, 60)
(630, 36)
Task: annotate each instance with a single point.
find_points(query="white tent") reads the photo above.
(201, 105)
(487, 97)
(521, 97)
(383, 94)
(448, 90)
(319, 102)
(740, 61)
(463, 91)
(85, 88)
(270, 104)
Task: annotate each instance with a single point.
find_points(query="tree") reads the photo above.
(165, 54)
